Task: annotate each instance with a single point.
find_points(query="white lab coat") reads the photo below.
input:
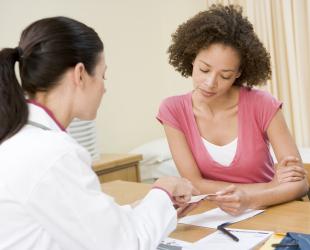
(51, 199)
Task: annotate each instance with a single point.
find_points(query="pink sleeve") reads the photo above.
(267, 107)
(168, 113)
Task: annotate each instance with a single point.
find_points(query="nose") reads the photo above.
(211, 81)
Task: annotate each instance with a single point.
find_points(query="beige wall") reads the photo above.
(136, 35)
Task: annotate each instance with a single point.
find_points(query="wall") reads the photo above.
(136, 35)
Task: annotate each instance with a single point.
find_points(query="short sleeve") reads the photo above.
(266, 106)
(168, 113)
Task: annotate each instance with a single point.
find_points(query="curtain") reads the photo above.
(284, 28)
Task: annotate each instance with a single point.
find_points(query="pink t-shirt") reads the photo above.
(252, 162)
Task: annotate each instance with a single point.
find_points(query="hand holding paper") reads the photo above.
(232, 200)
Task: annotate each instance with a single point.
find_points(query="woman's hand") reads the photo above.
(181, 191)
(290, 169)
(232, 200)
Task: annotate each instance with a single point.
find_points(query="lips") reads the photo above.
(207, 93)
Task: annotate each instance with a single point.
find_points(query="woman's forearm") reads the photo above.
(277, 193)
(210, 186)
(260, 194)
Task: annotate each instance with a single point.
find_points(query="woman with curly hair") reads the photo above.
(219, 133)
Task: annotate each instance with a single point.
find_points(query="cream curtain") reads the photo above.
(284, 28)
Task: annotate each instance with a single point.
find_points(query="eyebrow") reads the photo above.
(225, 70)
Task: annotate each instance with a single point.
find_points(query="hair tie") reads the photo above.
(19, 53)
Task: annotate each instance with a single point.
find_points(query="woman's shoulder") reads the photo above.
(257, 96)
(176, 100)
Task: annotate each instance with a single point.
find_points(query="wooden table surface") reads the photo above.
(110, 160)
(289, 217)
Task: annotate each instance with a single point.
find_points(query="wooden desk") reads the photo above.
(293, 216)
(307, 167)
(112, 167)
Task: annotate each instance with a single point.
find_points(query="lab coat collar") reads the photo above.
(42, 115)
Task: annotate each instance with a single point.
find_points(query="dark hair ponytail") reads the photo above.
(13, 106)
(47, 49)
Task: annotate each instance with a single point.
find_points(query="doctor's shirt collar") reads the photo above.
(41, 114)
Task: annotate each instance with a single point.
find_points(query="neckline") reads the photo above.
(218, 146)
(49, 113)
(239, 134)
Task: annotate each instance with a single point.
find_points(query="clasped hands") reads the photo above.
(289, 169)
(234, 200)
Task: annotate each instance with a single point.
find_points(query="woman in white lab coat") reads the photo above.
(49, 196)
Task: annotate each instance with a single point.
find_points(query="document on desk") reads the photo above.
(248, 239)
(216, 217)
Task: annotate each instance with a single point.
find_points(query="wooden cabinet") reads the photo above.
(112, 167)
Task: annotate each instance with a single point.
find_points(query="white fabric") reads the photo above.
(155, 151)
(157, 160)
(51, 199)
(149, 173)
(222, 154)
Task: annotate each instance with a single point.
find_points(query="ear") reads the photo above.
(79, 75)
(239, 74)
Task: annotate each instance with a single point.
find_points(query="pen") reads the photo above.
(229, 234)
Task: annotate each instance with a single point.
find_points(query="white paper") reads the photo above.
(216, 217)
(248, 239)
(197, 198)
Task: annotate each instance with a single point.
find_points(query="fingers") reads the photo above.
(291, 174)
(288, 159)
(227, 198)
(290, 179)
(184, 191)
(225, 195)
(228, 190)
(182, 199)
(231, 210)
(184, 210)
(231, 200)
(290, 170)
(180, 189)
(294, 168)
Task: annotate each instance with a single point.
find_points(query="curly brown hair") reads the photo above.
(225, 25)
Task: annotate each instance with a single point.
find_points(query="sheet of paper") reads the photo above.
(173, 244)
(197, 198)
(215, 217)
(248, 239)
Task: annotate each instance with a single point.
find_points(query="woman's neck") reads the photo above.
(57, 105)
(224, 103)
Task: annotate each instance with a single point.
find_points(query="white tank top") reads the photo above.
(222, 154)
